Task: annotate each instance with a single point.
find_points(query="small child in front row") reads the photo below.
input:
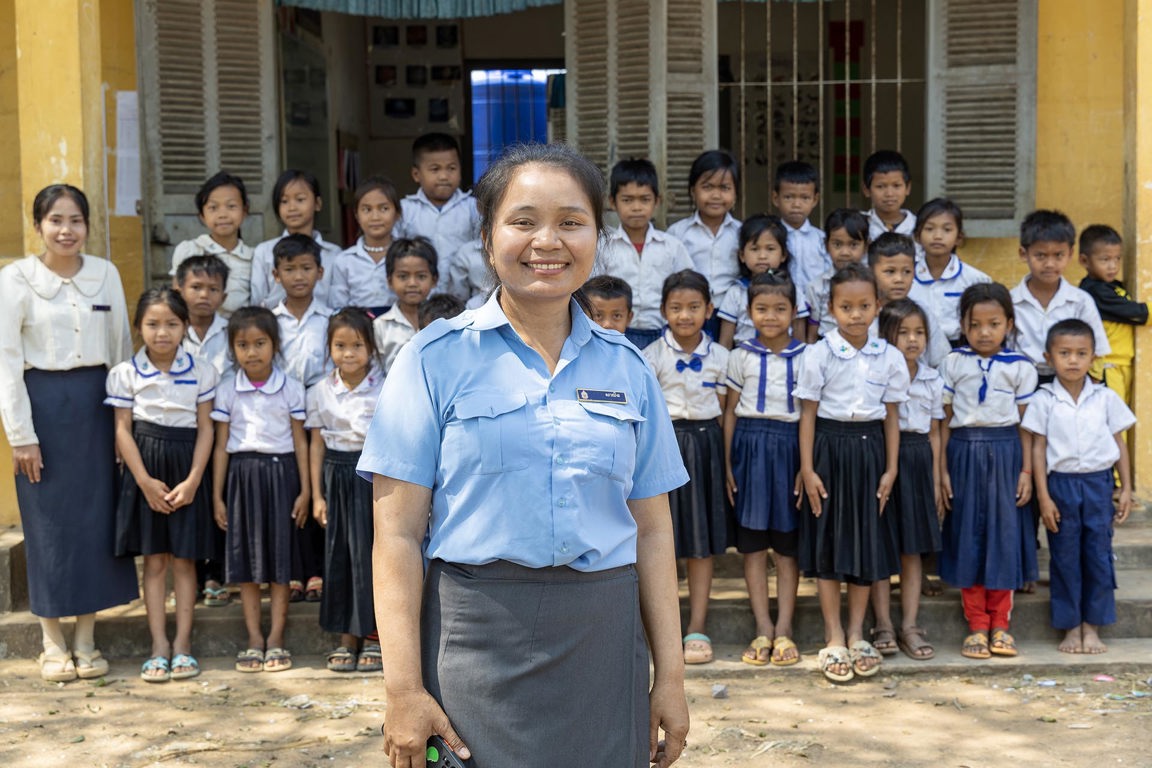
(1078, 437)
(261, 488)
(412, 274)
(163, 397)
(610, 298)
(847, 243)
(913, 516)
(762, 460)
(763, 250)
(850, 387)
(340, 408)
(692, 370)
(988, 539)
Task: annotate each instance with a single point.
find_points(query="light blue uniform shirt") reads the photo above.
(524, 466)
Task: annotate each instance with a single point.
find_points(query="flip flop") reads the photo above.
(215, 597)
(697, 648)
(315, 590)
(759, 652)
(156, 663)
(341, 660)
(370, 659)
(779, 646)
(90, 664)
(277, 660)
(250, 660)
(56, 667)
(295, 591)
(976, 646)
(1003, 644)
(187, 663)
(831, 656)
(858, 652)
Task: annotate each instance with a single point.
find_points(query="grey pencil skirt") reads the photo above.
(538, 666)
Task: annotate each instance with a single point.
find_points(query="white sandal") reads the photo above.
(56, 667)
(90, 665)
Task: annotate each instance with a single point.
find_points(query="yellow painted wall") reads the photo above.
(11, 241)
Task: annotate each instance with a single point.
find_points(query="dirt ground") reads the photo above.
(307, 717)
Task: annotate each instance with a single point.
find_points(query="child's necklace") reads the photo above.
(375, 248)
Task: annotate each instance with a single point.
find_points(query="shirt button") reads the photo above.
(559, 459)
(551, 387)
(562, 503)
(564, 548)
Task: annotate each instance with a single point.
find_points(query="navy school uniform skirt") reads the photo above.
(911, 511)
(260, 491)
(346, 603)
(765, 459)
(987, 540)
(69, 517)
(701, 523)
(187, 532)
(850, 541)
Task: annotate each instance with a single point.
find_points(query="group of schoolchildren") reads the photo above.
(241, 419)
(857, 398)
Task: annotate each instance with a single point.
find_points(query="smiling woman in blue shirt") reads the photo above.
(526, 454)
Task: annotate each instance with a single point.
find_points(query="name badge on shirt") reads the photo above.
(602, 396)
(101, 307)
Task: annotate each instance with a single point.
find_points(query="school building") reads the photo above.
(1005, 105)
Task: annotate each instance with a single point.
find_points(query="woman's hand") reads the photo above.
(155, 493)
(412, 717)
(814, 489)
(26, 460)
(669, 712)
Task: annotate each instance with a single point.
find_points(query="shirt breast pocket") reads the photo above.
(496, 430)
(608, 447)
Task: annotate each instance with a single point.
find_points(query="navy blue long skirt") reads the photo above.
(346, 603)
(765, 460)
(701, 523)
(259, 492)
(912, 510)
(69, 517)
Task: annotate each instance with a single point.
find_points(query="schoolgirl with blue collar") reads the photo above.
(762, 459)
(692, 370)
(163, 397)
(763, 249)
(988, 540)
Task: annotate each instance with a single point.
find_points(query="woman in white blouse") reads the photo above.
(64, 324)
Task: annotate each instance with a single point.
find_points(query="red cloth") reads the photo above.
(987, 609)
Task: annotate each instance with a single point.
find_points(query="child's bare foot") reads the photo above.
(1092, 641)
(1072, 642)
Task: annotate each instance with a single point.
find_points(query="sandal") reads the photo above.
(342, 660)
(90, 664)
(184, 666)
(697, 648)
(884, 640)
(214, 597)
(295, 591)
(976, 646)
(1003, 644)
(370, 659)
(56, 667)
(759, 652)
(251, 660)
(835, 655)
(931, 587)
(860, 651)
(155, 664)
(277, 660)
(780, 647)
(914, 642)
(315, 589)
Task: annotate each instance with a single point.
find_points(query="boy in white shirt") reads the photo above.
(222, 202)
(200, 280)
(303, 319)
(795, 194)
(886, 183)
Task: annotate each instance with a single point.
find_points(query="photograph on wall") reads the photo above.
(385, 75)
(438, 111)
(385, 36)
(447, 36)
(416, 35)
(448, 73)
(416, 78)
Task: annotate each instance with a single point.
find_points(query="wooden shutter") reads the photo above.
(692, 96)
(591, 87)
(208, 102)
(982, 110)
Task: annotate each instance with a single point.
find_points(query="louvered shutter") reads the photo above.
(692, 123)
(208, 102)
(591, 86)
(982, 110)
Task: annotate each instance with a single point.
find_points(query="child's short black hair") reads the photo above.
(850, 220)
(359, 321)
(420, 247)
(169, 297)
(885, 161)
(685, 280)
(291, 246)
(711, 162)
(1098, 234)
(608, 287)
(634, 170)
(222, 179)
(939, 206)
(774, 284)
(434, 142)
(1046, 226)
(890, 244)
(437, 306)
(852, 273)
(209, 265)
(381, 184)
(895, 312)
(287, 178)
(796, 172)
(1070, 327)
(260, 318)
(986, 293)
(750, 232)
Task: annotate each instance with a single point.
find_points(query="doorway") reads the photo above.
(508, 106)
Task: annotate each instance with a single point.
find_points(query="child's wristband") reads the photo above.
(1026, 471)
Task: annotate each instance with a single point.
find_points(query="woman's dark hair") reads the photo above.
(169, 297)
(47, 197)
(223, 179)
(710, 163)
(254, 317)
(894, 313)
(772, 284)
(420, 247)
(939, 206)
(985, 293)
(381, 184)
(685, 280)
(750, 232)
(358, 320)
(853, 273)
(850, 220)
(287, 178)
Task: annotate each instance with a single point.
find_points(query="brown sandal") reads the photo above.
(976, 646)
(914, 642)
(884, 641)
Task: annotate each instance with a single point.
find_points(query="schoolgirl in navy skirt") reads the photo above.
(692, 370)
(850, 386)
(762, 451)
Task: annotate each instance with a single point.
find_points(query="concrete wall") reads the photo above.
(11, 226)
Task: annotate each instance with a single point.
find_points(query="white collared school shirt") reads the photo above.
(734, 308)
(341, 414)
(260, 418)
(52, 323)
(987, 391)
(877, 227)
(1081, 433)
(690, 381)
(925, 401)
(814, 305)
(392, 331)
(1033, 320)
(852, 384)
(807, 255)
(239, 263)
(358, 280)
(714, 255)
(266, 292)
(644, 272)
(304, 342)
(166, 398)
(469, 274)
(213, 348)
(765, 380)
(449, 227)
(941, 295)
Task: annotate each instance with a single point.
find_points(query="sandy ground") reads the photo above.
(308, 717)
